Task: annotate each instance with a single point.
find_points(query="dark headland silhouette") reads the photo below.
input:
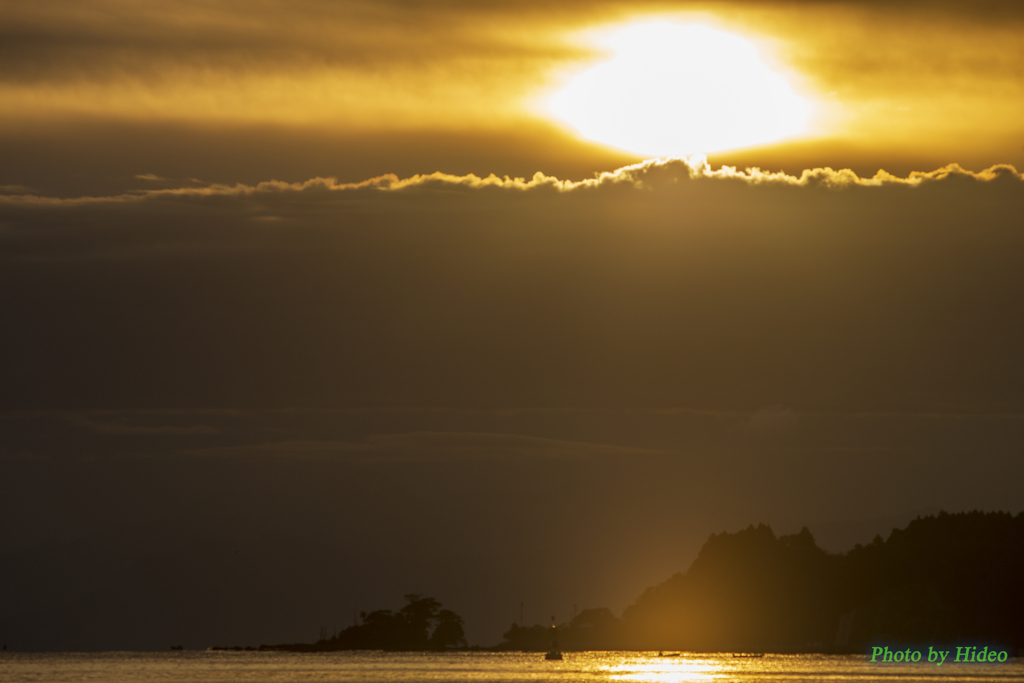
(946, 579)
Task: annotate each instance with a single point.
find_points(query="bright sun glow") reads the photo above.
(674, 89)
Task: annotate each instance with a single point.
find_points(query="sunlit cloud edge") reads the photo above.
(636, 175)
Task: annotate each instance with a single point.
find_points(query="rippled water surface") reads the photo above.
(478, 666)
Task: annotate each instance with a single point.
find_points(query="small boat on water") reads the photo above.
(749, 654)
(668, 654)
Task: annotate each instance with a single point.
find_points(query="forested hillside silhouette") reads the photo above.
(952, 578)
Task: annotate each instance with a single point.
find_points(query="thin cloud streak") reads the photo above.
(117, 416)
(433, 446)
(122, 427)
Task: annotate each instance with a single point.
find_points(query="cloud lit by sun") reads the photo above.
(673, 89)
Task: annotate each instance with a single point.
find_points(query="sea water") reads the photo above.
(473, 667)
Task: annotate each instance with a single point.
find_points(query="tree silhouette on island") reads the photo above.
(421, 625)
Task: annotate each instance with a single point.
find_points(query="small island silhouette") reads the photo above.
(946, 579)
(421, 625)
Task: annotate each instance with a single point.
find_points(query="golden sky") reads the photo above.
(939, 82)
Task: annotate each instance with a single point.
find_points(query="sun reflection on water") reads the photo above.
(659, 670)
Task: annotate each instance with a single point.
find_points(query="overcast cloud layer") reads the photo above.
(485, 389)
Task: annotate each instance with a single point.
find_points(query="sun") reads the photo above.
(676, 89)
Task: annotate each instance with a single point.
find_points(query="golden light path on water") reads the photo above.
(676, 89)
(670, 671)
